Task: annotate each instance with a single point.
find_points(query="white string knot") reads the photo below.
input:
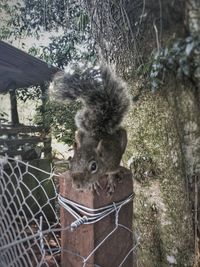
(78, 222)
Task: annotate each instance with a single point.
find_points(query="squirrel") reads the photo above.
(100, 141)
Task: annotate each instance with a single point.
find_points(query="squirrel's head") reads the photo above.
(87, 164)
(96, 156)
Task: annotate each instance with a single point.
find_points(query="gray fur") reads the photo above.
(104, 97)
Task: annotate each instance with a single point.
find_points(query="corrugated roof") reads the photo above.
(19, 69)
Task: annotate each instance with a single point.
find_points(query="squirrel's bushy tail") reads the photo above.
(103, 94)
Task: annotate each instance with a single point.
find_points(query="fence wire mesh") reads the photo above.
(30, 229)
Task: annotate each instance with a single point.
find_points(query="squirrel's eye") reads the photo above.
(93, 166)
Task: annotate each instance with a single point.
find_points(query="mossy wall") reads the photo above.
(163, 152)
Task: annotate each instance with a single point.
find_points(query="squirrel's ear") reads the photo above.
(99, 148)
(79, 139)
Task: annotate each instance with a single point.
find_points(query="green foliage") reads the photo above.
(68, 48)
(36, 16)
(60, 118)
(8, 11)
(176, 59)
(66, 21)
(70, 43)
(31, 93)
(4, 32)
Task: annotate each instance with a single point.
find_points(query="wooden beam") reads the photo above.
(20, 129)
(47, 144)
(78, 244)
(14, 111)
(13, 152)
(16, 142)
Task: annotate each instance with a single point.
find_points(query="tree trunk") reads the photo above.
(164, 127)
(164, 143)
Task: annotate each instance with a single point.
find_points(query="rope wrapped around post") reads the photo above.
(89, 215)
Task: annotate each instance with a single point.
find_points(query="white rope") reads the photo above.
(90, 215)
(78, 222)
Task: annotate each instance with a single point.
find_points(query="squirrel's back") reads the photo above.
(104, 97)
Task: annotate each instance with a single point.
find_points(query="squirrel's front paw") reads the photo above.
(113, 180)
(110, 188)
(95, 187)
(111, 183)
